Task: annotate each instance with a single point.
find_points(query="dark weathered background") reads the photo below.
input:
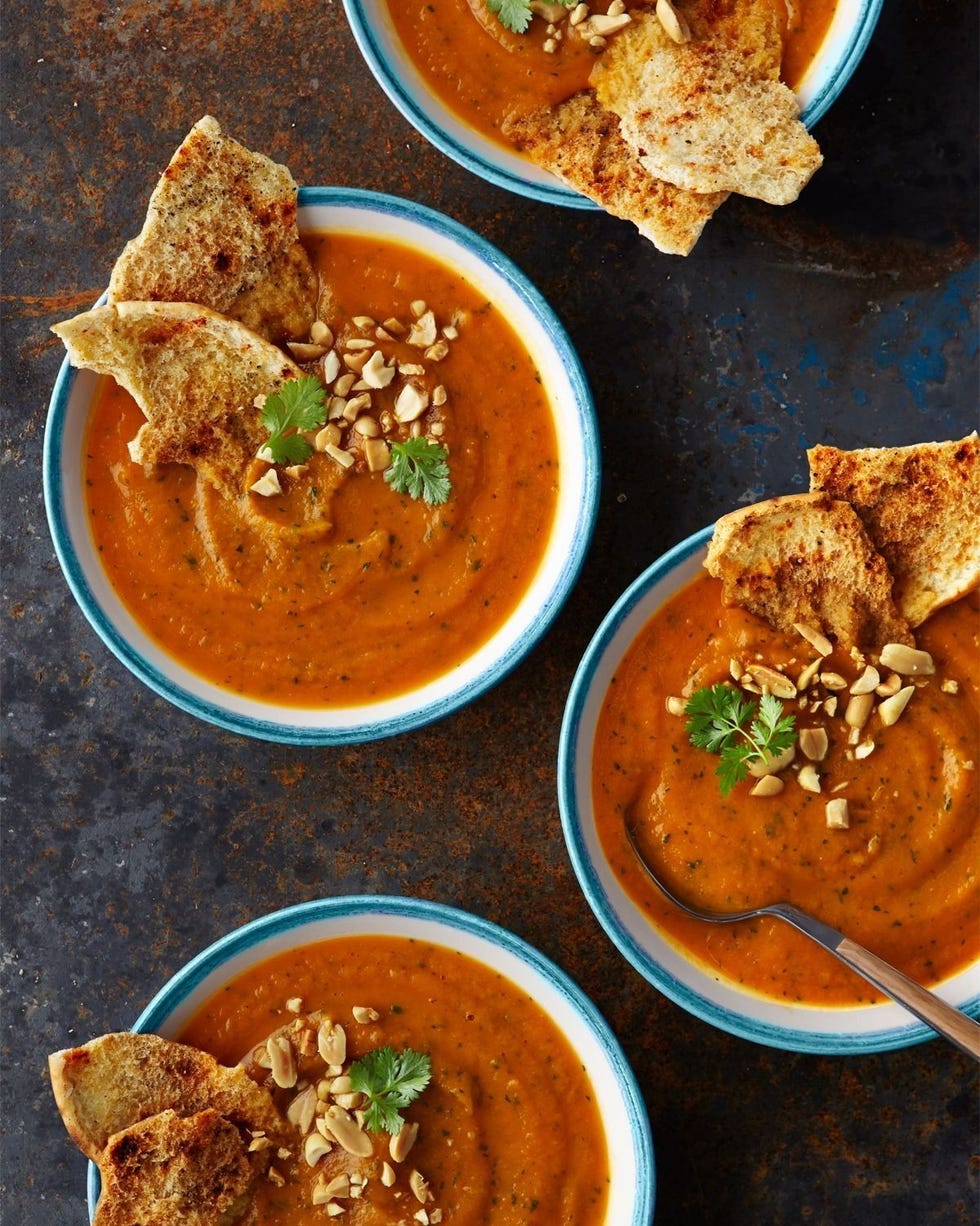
(134, 835)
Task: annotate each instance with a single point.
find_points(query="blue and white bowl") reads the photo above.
(631, 1161)
(840, 53)
(844, 45)
(721, 1002)
(482, 265)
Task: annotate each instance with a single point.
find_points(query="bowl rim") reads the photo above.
(817, 92)
(357, 729)
(849, 50)
(450, 920)
(478, 160)
(576, 817)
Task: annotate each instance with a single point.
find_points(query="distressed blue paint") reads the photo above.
(758, 433)
(775, 380)
(913, 337)
(811, 359)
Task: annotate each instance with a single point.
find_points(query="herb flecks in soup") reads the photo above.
(656, 114)
(899, 875)
(333, 583)
(505, 1132)
(485, 68)
(337, 1106)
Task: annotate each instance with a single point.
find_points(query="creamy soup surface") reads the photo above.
(508, 1128)
(484, 72)
(901, 880)
(341, 591)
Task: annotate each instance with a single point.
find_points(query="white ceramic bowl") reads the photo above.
(579, 460)
(632, 1170)
(846, 41)
(686, 982)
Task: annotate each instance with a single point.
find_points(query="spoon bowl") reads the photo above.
(946, 1020)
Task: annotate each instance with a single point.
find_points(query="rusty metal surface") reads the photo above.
(134, 835)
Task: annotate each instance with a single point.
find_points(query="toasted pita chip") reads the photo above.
(220, 230)
(579, 142)
(709, 115)
(806, 558)
(117, 1080)
(169, 1169)
(921, 507)
(195, 375)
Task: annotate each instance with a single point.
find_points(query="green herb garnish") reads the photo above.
(722, 721)
(391, 1080)
(516, 14)
(300, 404)
(419, 469)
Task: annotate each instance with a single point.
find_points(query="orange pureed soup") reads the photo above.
(387, 592)
(484, 73)
(902, 880)
(509, 1132)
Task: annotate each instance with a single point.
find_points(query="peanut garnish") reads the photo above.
(867, 682)
(267, 485)
(808, 778)
(302, 1109)
(348, 1133)
(420, 1187)
(858, 710)
(674, 24)
(401, 1143)
(908, 661)
(818, 641)
(332, 1043)
(772, 681)
(283, 1061)
(814, 743)
(891, 708)
(315, 1147)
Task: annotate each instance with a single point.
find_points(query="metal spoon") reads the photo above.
(946, 1020)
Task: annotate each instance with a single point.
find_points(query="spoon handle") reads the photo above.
(926, 1005)
(946, 1020)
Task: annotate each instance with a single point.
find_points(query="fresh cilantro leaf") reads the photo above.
(733, 766)
(516, 14)
(714, 713)
(419, 468)
(300, 404)
(391, 1080)
(722, 721)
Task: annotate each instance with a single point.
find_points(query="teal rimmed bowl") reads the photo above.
(719, 1001)
(840, 53)
(480, 263)
(630, 1148)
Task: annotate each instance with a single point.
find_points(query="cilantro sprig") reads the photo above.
(516, 14)
(390, 1080)
(722, 721)
(300, 404)
(419, 468)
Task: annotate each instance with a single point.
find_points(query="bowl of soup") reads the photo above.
(900, 879)
(529, 1090)
(384, 607)
(457, 74)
